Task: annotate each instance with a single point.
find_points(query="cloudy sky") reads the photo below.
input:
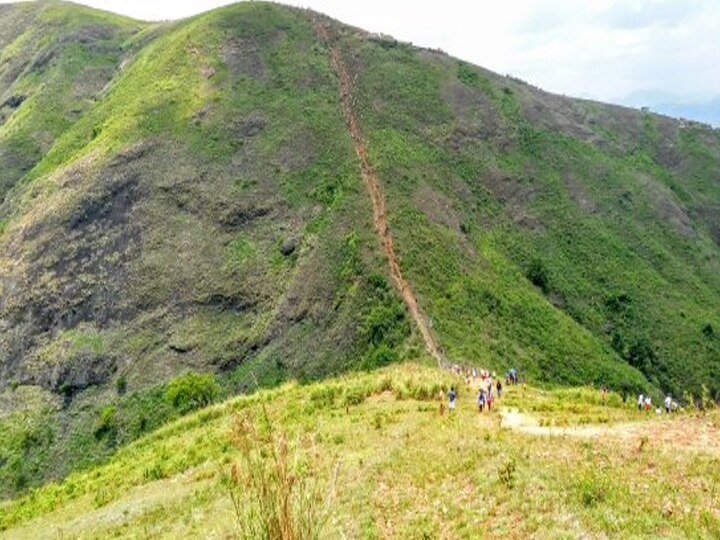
(606, 49)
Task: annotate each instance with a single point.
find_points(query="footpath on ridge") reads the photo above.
(378, 200)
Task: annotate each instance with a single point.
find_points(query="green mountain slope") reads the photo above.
(187, 197)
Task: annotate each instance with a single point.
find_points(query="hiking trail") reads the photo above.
(376, 195)
(680, 432)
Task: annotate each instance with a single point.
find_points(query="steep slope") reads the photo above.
(206, 208)
(55, 61)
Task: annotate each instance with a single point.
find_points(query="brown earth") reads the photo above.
(370, 178)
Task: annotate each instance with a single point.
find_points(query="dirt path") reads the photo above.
(686, 432)
(378, 200)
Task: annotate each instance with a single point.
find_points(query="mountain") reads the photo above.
(259, 193)
(695, 108)
(707, 112)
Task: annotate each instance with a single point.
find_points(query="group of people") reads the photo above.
(645, 404)
(485, 397)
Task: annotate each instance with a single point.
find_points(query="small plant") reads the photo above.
(593, 489)
(192, 391)
(275, 490)
(706, 399)
(106, 422)
(537, 273)
(708, 331)
(121, 385)
(154, 472)
(506, 473)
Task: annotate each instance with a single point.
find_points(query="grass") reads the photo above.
(153, 173)
(405, 469)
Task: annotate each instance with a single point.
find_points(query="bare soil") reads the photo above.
(696, 433)
(370, 178)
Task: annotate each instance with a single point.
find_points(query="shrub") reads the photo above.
(506, 473)
(275, 491)
(538, 274)
(593, 489)
(154, 472)
(355, 395)
(192, 391)
(106, 422)
(121, 385)
(325, 395)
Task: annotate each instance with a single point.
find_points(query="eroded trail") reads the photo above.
(378, 200)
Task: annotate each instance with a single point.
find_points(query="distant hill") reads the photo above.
(690, 108)
(184, 214)
(708, 112)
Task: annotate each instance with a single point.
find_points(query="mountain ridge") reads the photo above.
(196, 205)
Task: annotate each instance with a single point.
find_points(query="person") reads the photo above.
(489, 400)
(641, 402)
(481, 400)
(648, 403)
(513, 376)
(451, 398)
(603, 393)
(498, 385)
(668, 404)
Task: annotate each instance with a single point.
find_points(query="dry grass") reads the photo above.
(275, 486)
(408, 472)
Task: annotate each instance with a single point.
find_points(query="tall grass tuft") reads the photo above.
(275, 488)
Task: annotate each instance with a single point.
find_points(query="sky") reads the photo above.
(659, 50)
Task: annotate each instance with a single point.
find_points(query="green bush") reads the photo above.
(106, 422)
(121, 385)
(593, 489)
(506, 473)
(191, 391)
(538, 274)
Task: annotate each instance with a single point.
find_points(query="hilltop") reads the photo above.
(189, 197)
(395, 467)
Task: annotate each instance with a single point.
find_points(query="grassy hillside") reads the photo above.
(185, 198)
(404, 470)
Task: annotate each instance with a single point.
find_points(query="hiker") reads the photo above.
(648, 403)
(641, 402)
(668, 404)
(498, 385)
(489, 401)
(481, 400)
(513, 376)
(603, 393)
(451, 398)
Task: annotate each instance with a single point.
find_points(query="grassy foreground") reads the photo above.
(405, 470)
